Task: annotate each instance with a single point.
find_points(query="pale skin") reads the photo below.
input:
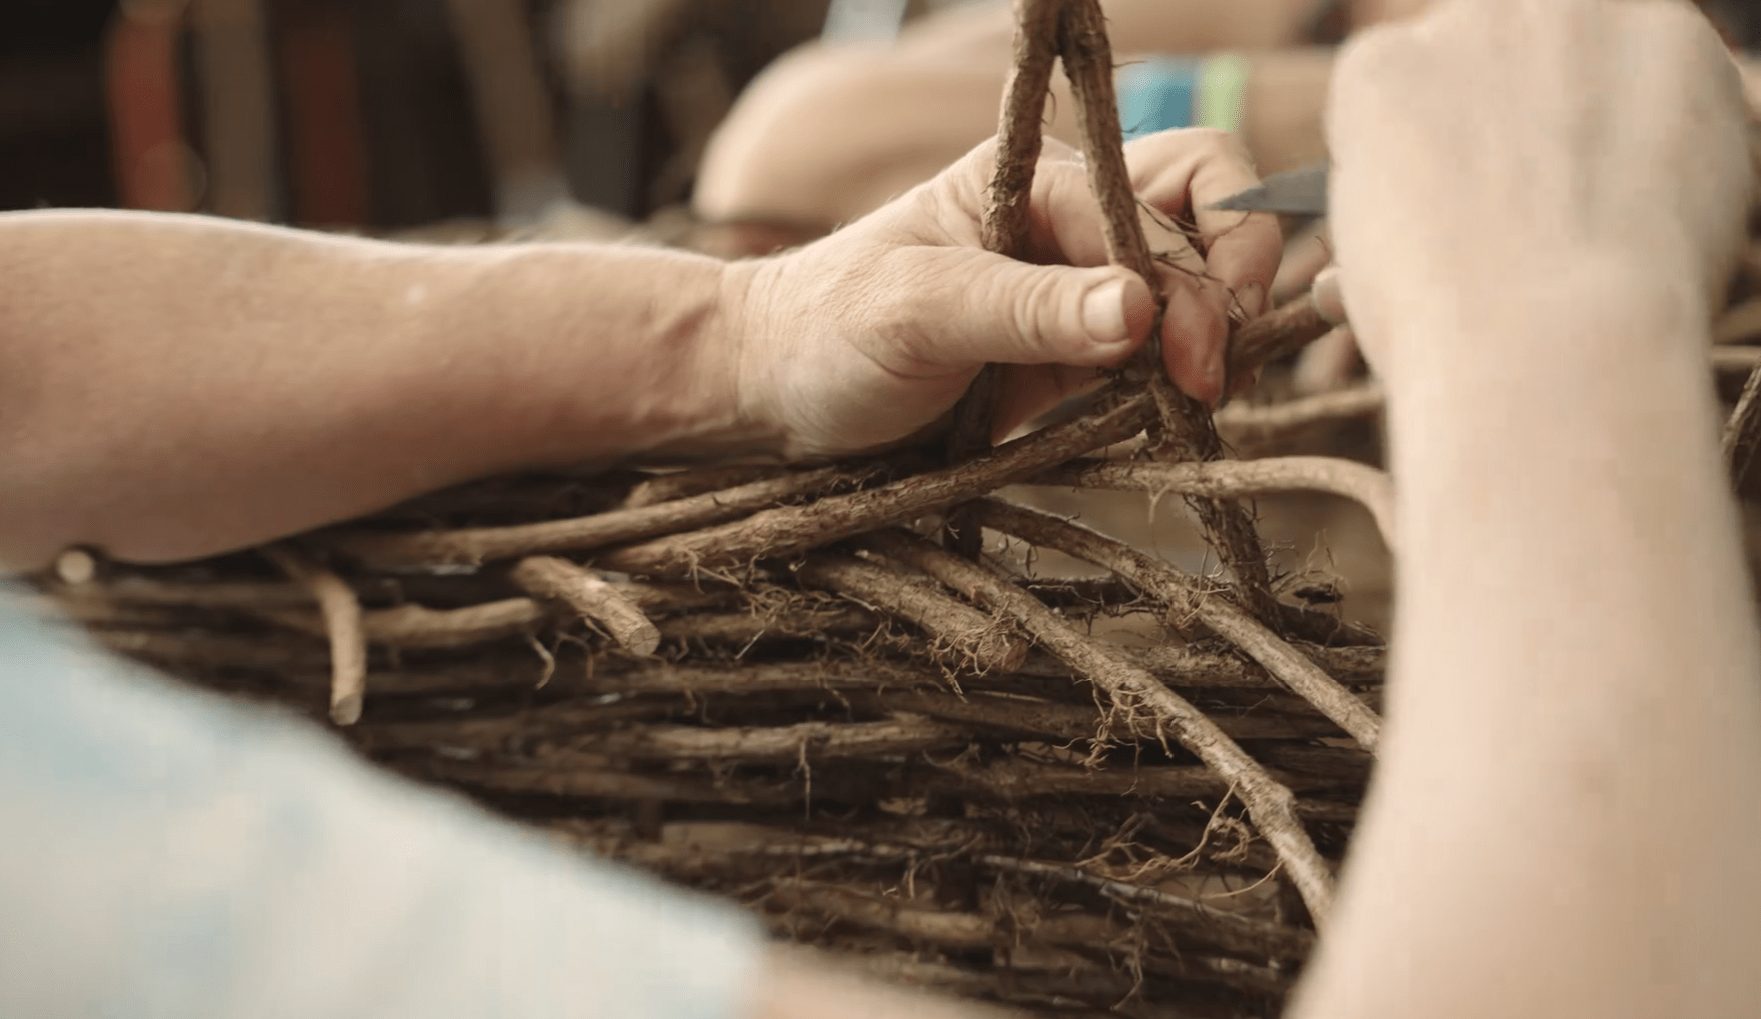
(1575, 675)
(832, 131)
(237, 382)
(1568, 801)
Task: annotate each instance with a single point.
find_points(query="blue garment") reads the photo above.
(165, 853)
(1158, 94)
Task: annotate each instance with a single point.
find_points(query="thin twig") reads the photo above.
(1742, 433)
(1233, 931)
(1739, 324)
(341, 611)
(421, 627)
(1184, 595)
(1730, 360)
(661, 488)
(1262, 424)
(1269, 802)
(1365, 485)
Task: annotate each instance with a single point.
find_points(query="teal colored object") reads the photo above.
(1158, 94)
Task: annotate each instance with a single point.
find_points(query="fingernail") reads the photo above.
(1103, 313)
(1326, 295)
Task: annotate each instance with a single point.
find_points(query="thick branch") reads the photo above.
(474, 545)
(1005, 224)
(1019, 128)
(964, 635)
(1278, 333)
(791, 530)
(589, 594)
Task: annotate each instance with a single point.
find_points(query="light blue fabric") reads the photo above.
(1157, 94)
(164, 853)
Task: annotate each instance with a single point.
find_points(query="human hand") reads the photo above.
(1501, 146)
(872, 334)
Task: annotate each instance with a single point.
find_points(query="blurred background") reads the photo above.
(382, 115)
(386, 115)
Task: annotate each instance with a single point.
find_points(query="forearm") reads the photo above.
(1164, 26)
(176, 386)
(791, 151)
(1575, 681)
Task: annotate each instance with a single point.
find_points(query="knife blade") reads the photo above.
(1292, 193)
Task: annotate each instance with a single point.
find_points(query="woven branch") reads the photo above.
(1187, 430)
(1132, 690)
(590, 595)
(1742, 433)
(956, 769)
(342, 625)
(1004, 227)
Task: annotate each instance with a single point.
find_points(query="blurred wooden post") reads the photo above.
(327, 137)
(515, 115)
(238, 108)
(154, 166)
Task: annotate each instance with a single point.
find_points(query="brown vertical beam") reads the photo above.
(327, 139)
(515, 114)
(147, 135)
(238, 108)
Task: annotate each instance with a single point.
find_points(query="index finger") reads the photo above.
(1182, 174)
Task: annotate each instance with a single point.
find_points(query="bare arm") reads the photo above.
(172, 386)
(1570, 791)
(832, 131)
(1569, 795)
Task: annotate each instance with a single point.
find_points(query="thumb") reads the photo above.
(981, 308)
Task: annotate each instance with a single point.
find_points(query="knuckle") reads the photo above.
(1033, 308)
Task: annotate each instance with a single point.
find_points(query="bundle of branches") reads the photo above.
(810, 690)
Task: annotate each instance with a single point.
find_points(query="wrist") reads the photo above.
(718, 406)
(1510, 333)
(748, 365)
(1517, 377)
(644, 367)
